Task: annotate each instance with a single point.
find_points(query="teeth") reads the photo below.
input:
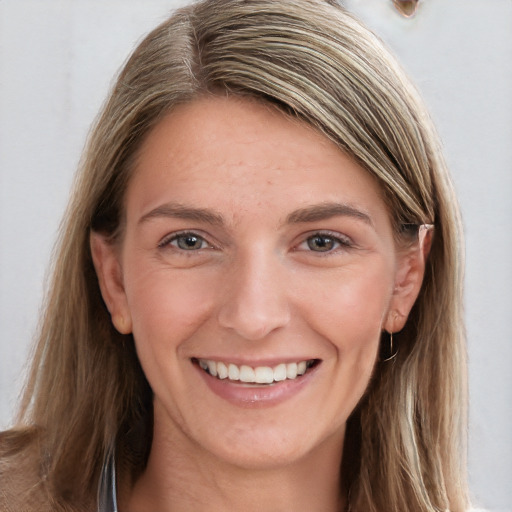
(291, 370)
(258, 375)
(280, 372)
(247, 374)
(222, 371)
(212, 368)
(233, 372)
(264, 375)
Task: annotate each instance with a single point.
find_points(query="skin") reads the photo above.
(254, 289)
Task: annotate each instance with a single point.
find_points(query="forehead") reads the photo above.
(238, 153)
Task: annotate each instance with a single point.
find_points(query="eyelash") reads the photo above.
(340, 242)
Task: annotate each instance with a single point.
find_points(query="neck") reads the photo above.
(181, 477)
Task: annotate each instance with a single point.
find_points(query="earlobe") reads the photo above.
(122, 323)
(110, 277)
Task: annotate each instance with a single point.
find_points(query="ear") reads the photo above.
(408, 279)
(105, 256)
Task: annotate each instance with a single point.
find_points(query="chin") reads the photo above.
(272, 449)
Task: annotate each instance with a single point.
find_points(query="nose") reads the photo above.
(255, 297)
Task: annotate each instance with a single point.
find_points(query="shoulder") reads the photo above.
(22, 487)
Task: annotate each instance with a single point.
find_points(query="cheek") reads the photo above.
(349, 308)
(352, 325)
(167, 307)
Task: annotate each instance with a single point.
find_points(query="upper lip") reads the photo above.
(274, 361)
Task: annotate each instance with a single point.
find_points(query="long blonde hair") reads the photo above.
(87, 395)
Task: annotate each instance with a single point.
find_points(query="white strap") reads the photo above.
(107, 494)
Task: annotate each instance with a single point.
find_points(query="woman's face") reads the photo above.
(257, 271)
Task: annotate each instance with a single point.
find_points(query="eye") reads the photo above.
(186, 242)
(324, 242)
(321, 243)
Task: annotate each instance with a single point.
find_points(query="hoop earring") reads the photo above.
(388, 351)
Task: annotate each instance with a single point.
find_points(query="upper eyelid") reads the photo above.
(328, 233)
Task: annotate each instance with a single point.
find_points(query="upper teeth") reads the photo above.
(258, 375)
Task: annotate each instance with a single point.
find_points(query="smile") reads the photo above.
(258, 375)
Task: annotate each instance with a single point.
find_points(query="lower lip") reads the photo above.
(254, 395)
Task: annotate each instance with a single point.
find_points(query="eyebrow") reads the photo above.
(179, 211)
(325, 211)
(313, 213)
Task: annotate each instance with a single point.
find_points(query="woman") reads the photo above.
(256, 301)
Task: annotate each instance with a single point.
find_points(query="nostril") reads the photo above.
(254, 301)
(253, 320)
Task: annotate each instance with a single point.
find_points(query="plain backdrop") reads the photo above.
(57, 61)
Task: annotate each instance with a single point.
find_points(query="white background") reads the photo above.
(57, 61)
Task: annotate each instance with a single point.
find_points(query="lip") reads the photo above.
(256, 362)
(256, 395)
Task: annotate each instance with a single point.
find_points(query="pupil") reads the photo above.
(320, 243)
(189, 242)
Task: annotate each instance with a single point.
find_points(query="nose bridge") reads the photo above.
(254, 299)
